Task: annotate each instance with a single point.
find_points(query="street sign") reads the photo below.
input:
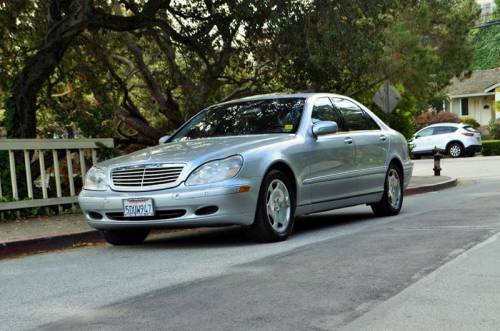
(387, 98)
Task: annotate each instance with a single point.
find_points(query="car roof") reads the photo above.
(304, 95)
(457, 125)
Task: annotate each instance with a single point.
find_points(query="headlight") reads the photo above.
(216, 171)
(95, 180)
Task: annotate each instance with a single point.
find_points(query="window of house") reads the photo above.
(465, 106)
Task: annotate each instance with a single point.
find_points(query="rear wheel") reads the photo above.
(125, 237)
(392, 200)
(275, 213)
(455, 150)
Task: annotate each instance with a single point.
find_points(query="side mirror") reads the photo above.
(322, 128)
(163, 139)
(417, 136)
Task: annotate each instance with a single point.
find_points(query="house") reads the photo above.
(475, 96)
(487, 9)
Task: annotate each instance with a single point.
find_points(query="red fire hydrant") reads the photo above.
(437, 161)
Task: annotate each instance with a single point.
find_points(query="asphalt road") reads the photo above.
(335, 268)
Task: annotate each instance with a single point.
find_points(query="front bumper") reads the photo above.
(408, 171)
(233, 207)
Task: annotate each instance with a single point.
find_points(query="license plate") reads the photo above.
(138, 207)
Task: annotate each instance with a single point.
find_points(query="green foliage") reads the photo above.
(494, 129)
(427, 118)
(231, 50)
(106, 153)
(491, 147)
(349, 47)
(486, 43)
(470, 121)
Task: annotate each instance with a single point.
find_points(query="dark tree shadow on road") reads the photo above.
(236, 236)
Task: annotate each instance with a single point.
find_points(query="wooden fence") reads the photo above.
(83, 150)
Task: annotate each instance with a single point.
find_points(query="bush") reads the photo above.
(424, 119)
(494, 129)
(470, 121)
(491, 147)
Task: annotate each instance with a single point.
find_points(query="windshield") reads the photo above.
(245, 118)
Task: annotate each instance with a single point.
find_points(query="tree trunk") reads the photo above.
(38, 69)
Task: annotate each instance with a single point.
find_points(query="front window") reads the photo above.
(280, 115)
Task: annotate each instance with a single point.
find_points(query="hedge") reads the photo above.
(491, 147)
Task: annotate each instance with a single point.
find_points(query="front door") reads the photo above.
(424, 141)
(332, 158)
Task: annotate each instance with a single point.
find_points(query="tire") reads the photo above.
(274, 217)
(125, 237)
(455, 150)
(393, 184)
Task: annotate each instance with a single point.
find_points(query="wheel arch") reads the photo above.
(287, 170)
(452, 142)
(396, 161)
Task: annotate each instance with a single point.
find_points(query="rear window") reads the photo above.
(469, 128)
(444, 129)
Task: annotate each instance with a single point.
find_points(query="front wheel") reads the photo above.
(125, 237)
(275, 212)
(392, 200)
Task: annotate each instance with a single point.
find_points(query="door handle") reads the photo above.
(383, 137)
(348, 140)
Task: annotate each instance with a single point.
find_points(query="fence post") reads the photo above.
(27, 165)
(57, 176)
(13, 178)
(83, 168)
(94, 156)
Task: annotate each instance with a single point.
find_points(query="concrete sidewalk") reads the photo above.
(34, 235)
(464, 294)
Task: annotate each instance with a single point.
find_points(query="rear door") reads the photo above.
(371, 144)
(441, 136)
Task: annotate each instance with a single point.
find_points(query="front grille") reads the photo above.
(159, 215)
(151, 176)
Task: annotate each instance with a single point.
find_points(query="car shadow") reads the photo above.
(236, 236)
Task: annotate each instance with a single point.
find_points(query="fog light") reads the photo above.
(206, 210)
(94, 215)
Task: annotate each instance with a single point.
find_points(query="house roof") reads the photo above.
(481, 82)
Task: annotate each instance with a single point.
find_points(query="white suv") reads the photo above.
(452, 138)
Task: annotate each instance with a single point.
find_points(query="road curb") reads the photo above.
(432, 187)
(47, 243)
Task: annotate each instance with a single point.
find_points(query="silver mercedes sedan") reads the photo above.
(257, 162)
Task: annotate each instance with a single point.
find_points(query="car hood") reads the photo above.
(197, 151)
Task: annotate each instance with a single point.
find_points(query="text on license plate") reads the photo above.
(138, 207)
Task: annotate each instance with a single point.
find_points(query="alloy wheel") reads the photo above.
(394, 188)
(278, 206)
(455, 151)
